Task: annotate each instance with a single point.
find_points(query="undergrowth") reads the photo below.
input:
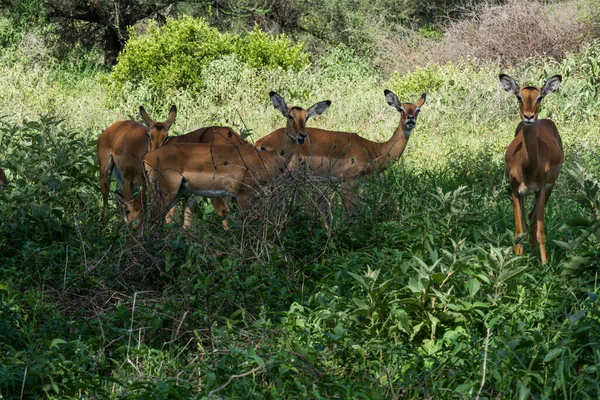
(417, 295)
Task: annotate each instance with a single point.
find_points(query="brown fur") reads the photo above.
(348, 156)
(533, 160)
(123, 145)
(224, 171)
(208, 135)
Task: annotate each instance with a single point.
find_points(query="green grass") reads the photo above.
(396, 304)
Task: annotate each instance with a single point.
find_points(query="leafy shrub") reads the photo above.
(52, 173)
(174, 55)
(426, 79)
(344, 62)
(259, 50)
(584, 249)
(16, 19)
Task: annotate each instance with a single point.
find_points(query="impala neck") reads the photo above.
(529, 157)
(391, 150)
(287, 148)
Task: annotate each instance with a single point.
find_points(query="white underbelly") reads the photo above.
(526, 190)
(210, 193)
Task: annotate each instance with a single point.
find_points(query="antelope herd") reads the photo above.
(217, 163)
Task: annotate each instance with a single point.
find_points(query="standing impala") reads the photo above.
(348, 156)
(3, 180)
(533, 159)
(121, 148)
(225, 171)
(208, 135)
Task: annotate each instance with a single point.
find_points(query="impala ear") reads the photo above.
(551, 85)
(171, 116)
(318, 108)
(509, 84)
(392, 100)
(279, 103)
(145, 116)
(421, 101)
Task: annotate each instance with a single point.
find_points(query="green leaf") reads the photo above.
(563, 245)
(510, 273)
(360, 303)
(360, 280)
(552, 354)
(56, 342)
(473, 286)
(415, 286)
(438, 277)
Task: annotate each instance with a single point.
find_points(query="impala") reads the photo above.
(533, 159)
(225, 171)
(348, 156)
(121, 148)
(209, 135)
(3, 180)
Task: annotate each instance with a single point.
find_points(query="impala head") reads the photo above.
(3, 180)
(530, 97)
(408, 111)
(297, 117)
(132, 208)
(158, 131)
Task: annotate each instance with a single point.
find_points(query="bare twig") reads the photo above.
(232, 377)
(23, 384)
(484, 366)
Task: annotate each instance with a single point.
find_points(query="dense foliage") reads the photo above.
(174, 56)
(419, 295)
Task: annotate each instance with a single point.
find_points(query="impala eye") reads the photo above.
(519, 98)
(539, 98)
(290, 116)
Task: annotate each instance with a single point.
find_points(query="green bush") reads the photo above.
(174, 55)
(259, 50)
(52, 172)
(427, 79)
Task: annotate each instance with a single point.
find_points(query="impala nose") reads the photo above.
(301, 139)
(528, 119)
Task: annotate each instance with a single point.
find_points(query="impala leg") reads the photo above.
(188, 213)
(221, 208)
(533, 218)
(166, 191)
(519, 217)
(127, 189)
(105, 173)
(104, 188)
(170, 216)
(540, 205)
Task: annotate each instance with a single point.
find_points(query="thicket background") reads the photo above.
(420, 296)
